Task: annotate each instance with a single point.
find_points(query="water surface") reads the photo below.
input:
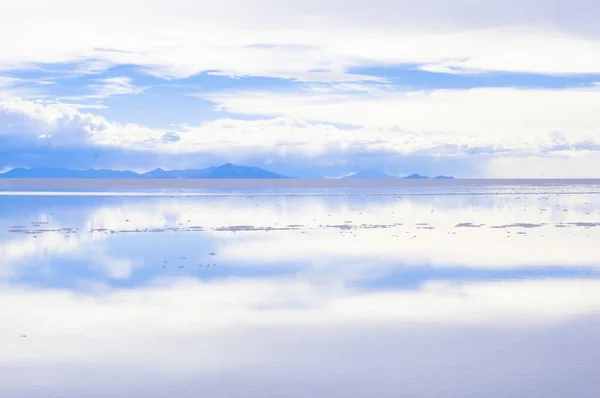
(414, 289)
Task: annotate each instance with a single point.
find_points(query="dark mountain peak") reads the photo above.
(156, 173)
(229, 170)
(416, 177)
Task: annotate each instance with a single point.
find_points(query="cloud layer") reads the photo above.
(338, 103)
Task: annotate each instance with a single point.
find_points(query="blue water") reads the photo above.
(457, 290)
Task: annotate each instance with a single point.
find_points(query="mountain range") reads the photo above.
(226, 171)
(376, 174)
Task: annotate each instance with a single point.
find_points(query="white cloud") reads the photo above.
(450, 122)
(486, 114)
(112, 86)
(6, 81)
(553, 123)
(298, 40)
(321, 45)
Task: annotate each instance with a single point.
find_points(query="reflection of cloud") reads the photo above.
(195, 307)
(427, 235)
(86, 247)
(317, 330)
(443, 245)
(475, 248)
(290, 328)
(27, 247)
(75, 241)
(99, 256)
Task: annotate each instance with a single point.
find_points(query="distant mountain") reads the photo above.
(49, 172)
(187, 173)
(368, 175)
(225, 171)
(415, 177)
(376, 174)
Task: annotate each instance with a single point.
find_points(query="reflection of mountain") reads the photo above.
(225, 171)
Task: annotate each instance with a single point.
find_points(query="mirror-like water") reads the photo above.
(355, 292)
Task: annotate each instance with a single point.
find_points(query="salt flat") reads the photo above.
(448, 289)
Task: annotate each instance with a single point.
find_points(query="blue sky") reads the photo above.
(487, 89)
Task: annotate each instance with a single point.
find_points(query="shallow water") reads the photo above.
(451, 290)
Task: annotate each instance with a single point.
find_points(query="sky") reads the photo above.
(468, 88)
